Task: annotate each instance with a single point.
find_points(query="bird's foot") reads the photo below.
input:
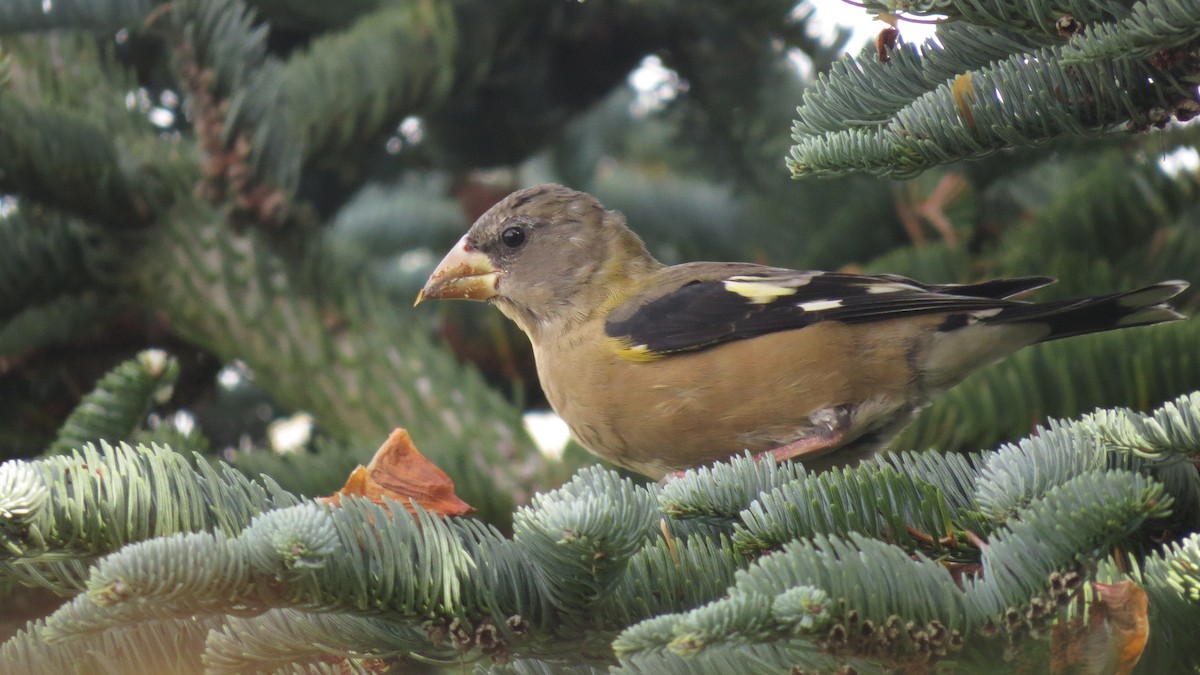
(828, 431)
(672, 475)
(829, 427)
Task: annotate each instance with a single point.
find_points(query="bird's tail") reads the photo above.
(1066, 318)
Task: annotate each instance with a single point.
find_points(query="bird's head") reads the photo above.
(544, 254)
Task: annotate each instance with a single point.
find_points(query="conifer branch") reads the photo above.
(21, 16)
(874, 500)
(955, 474)
(1006, 484)
(1169, 577)
(1151, 27)
(723, 490)
(1094, 511)
(865, 91)
(580, 538)
(61, 577)
(60, 157)
(1101, 365)
(273, 117)
(601, 556)
(58, 321)
(1114, 210)
(223, 39)
(149, 647)
(1021, 100)
(998, 76)
(673, 575)
(1172, 432)
(811, 576)
(120, 402)
(1037, 17)
(220, 289)
(44, 255)
(283, 637)
(89, 485)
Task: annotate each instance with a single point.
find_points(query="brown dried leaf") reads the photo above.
(399, 471)
(885, 42)
(1112, 641)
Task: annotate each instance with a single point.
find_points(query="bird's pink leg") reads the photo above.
(827, 433)
(816, 444)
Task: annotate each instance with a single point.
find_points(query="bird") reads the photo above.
(662, 368)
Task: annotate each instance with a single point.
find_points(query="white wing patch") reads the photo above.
(878, 289)
(819, 305)
(980, 315)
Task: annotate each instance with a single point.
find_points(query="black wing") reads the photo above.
(706, 312)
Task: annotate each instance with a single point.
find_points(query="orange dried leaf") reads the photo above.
(399, 471)
(1112, 641)
(1128, 618)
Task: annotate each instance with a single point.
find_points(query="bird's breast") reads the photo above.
(692, 408)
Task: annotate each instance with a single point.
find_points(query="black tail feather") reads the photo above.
(1067, 318)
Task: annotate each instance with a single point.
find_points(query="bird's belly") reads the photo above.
(690, 409)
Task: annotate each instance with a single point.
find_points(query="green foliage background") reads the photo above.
(260, 187)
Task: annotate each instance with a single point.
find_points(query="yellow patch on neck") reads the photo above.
(758, 292)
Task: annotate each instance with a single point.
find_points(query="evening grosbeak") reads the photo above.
(659, 368)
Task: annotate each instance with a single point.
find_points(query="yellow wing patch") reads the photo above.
(757, 292)
(624, 348)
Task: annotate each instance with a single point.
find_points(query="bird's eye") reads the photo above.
(512, 237)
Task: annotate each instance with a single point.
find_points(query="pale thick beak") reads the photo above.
(464, 273)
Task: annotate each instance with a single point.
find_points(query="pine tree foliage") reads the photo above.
(61, 157)
(1115, 210)
(1168, 434)
(1119, 223)
(1169, 577)
(1035, 17)
(1100, 218)
(604, 569)
(220, 52)
(120, 401)
(26, 15)
(219, 286)
(917, 69)
(57, 321)
(409, 55)
(45, 253)
(160, 647)
(1150, 27)
(1021, 558)
(224, 37)
(724, 490)
(64, 509)
(1116, 369)
(320, 470)
(999, 75)
(228, 174)
(280, 638)
(874, 500)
